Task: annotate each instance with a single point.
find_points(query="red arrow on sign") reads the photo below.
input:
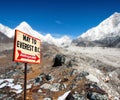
(27, 56)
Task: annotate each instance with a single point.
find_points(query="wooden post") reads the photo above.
(25, 81)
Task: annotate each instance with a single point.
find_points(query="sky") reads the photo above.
(57, 17)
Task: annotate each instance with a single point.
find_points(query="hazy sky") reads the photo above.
(58, 17)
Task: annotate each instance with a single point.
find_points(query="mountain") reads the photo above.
(109, 27)
(4, 38)
(6, 31)
(63, 41)
(85, 43)
(107, 33)
(26, 28)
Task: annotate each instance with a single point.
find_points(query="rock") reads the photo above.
(9, 98)
(45, 86)
(55, 87)
(2, 96)
(59, 60)
(65, 79)
(73, 72)
(47, 98)
(73, 86)
(62, 86)
(39, 79)
(107, 79)
(69, 64)
(29, 86)
(92, 78)
(82, 75)
(92, 87)
(96, 96)
(75, 96)
(116, 98)
(39, 90)
(48, 77)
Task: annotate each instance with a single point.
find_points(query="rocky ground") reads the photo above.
(81, 74)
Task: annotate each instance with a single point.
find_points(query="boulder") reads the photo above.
(39, 79)
(59, 60)
(45, 86)
(63, 86)
(93, 93)
(96, 96)
(48, 77)
(92, 78)
(81, 75)
(73, 72)
(55, 87)
(75, 96)
(92, 87)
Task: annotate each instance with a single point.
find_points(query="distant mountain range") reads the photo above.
(107, 33)
(25, 27)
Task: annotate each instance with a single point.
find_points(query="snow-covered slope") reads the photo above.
(110, 27)
(25, 27)
(63, 41)
(7, 31)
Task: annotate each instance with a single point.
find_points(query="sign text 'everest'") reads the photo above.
(26, 46)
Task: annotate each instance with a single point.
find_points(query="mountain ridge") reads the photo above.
(106, 34)
(100, 35)
(109, 26)
(26, 28)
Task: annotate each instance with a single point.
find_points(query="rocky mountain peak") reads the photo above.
(108, 27)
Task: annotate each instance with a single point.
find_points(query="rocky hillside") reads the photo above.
(64, 74)
(4, 38)
(5, 42)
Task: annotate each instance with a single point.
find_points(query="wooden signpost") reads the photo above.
(26, 50)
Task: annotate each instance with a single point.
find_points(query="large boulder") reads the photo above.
(95, 92)
(81, 75)
(59, 60)
(75, 96)
(96, 96)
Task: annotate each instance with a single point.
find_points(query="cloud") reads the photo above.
(58, 22)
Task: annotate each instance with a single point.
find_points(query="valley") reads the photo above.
(99, 65)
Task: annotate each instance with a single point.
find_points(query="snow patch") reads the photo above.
(64, 96)
(9, 82)
(92, 78)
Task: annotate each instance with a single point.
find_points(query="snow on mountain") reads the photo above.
(65, 40)
(26, 28)
(110, 27)
(7, 31)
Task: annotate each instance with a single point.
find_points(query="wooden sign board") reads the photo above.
(26, 48)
